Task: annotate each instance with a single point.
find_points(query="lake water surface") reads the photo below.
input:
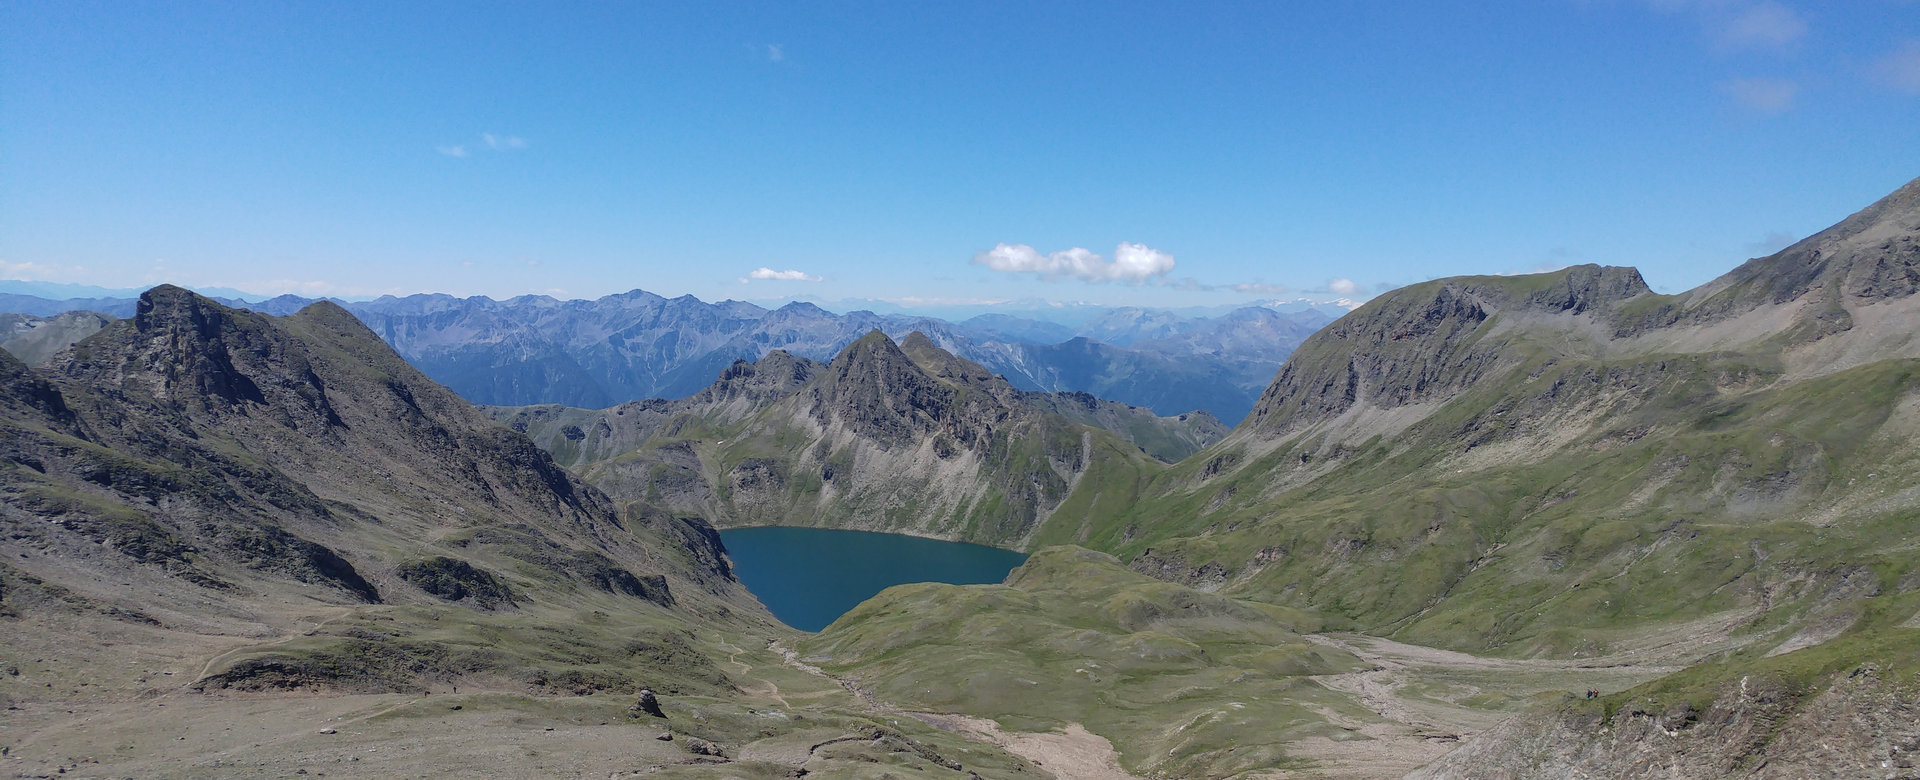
(810, 576)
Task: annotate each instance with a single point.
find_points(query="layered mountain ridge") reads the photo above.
(225, 460)
(535, 349)
(902, 437)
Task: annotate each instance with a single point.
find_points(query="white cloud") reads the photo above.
(1342, 286)
(30, 271)
(1259, 288)
(788, 275)
(1901, 69)
(1764, 25)
(1768, 96)
(1139, 262)
(488, 142)
(776, 52)
(1734, 25)
(1133, 263)
(502, 142)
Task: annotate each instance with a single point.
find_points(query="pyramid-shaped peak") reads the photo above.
(874, 344)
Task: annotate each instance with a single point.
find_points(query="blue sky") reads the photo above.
(1162, 154)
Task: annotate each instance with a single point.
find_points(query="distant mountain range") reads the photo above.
(638, 345)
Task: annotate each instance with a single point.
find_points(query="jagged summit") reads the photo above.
(237, 451)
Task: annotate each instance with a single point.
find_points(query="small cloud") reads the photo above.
(1134, 263)
(1258, 288)
(533, 262)
(302, 288)
(1767, 96)
(1771, 243)
(1901, 69)
(776, 52)
(488, 142)
(466, 264)
(788, 275)
(1342, 286)
(503, 142)
(1764, 25)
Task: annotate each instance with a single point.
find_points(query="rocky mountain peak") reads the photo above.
(1869, 257)
(1424, 343)
(184, 348)
(778, 375)
(1576, 290)
(880, 393)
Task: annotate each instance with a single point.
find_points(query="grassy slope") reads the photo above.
(1183, 682)
(1555, 491)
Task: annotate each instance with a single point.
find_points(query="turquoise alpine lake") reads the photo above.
(809, 577)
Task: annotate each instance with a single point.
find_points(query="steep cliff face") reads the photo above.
(229, 461)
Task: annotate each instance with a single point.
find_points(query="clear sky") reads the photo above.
(1168, 153)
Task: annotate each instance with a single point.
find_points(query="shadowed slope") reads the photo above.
(228, 461)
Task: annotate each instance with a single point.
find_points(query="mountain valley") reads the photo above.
(1543, 525)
